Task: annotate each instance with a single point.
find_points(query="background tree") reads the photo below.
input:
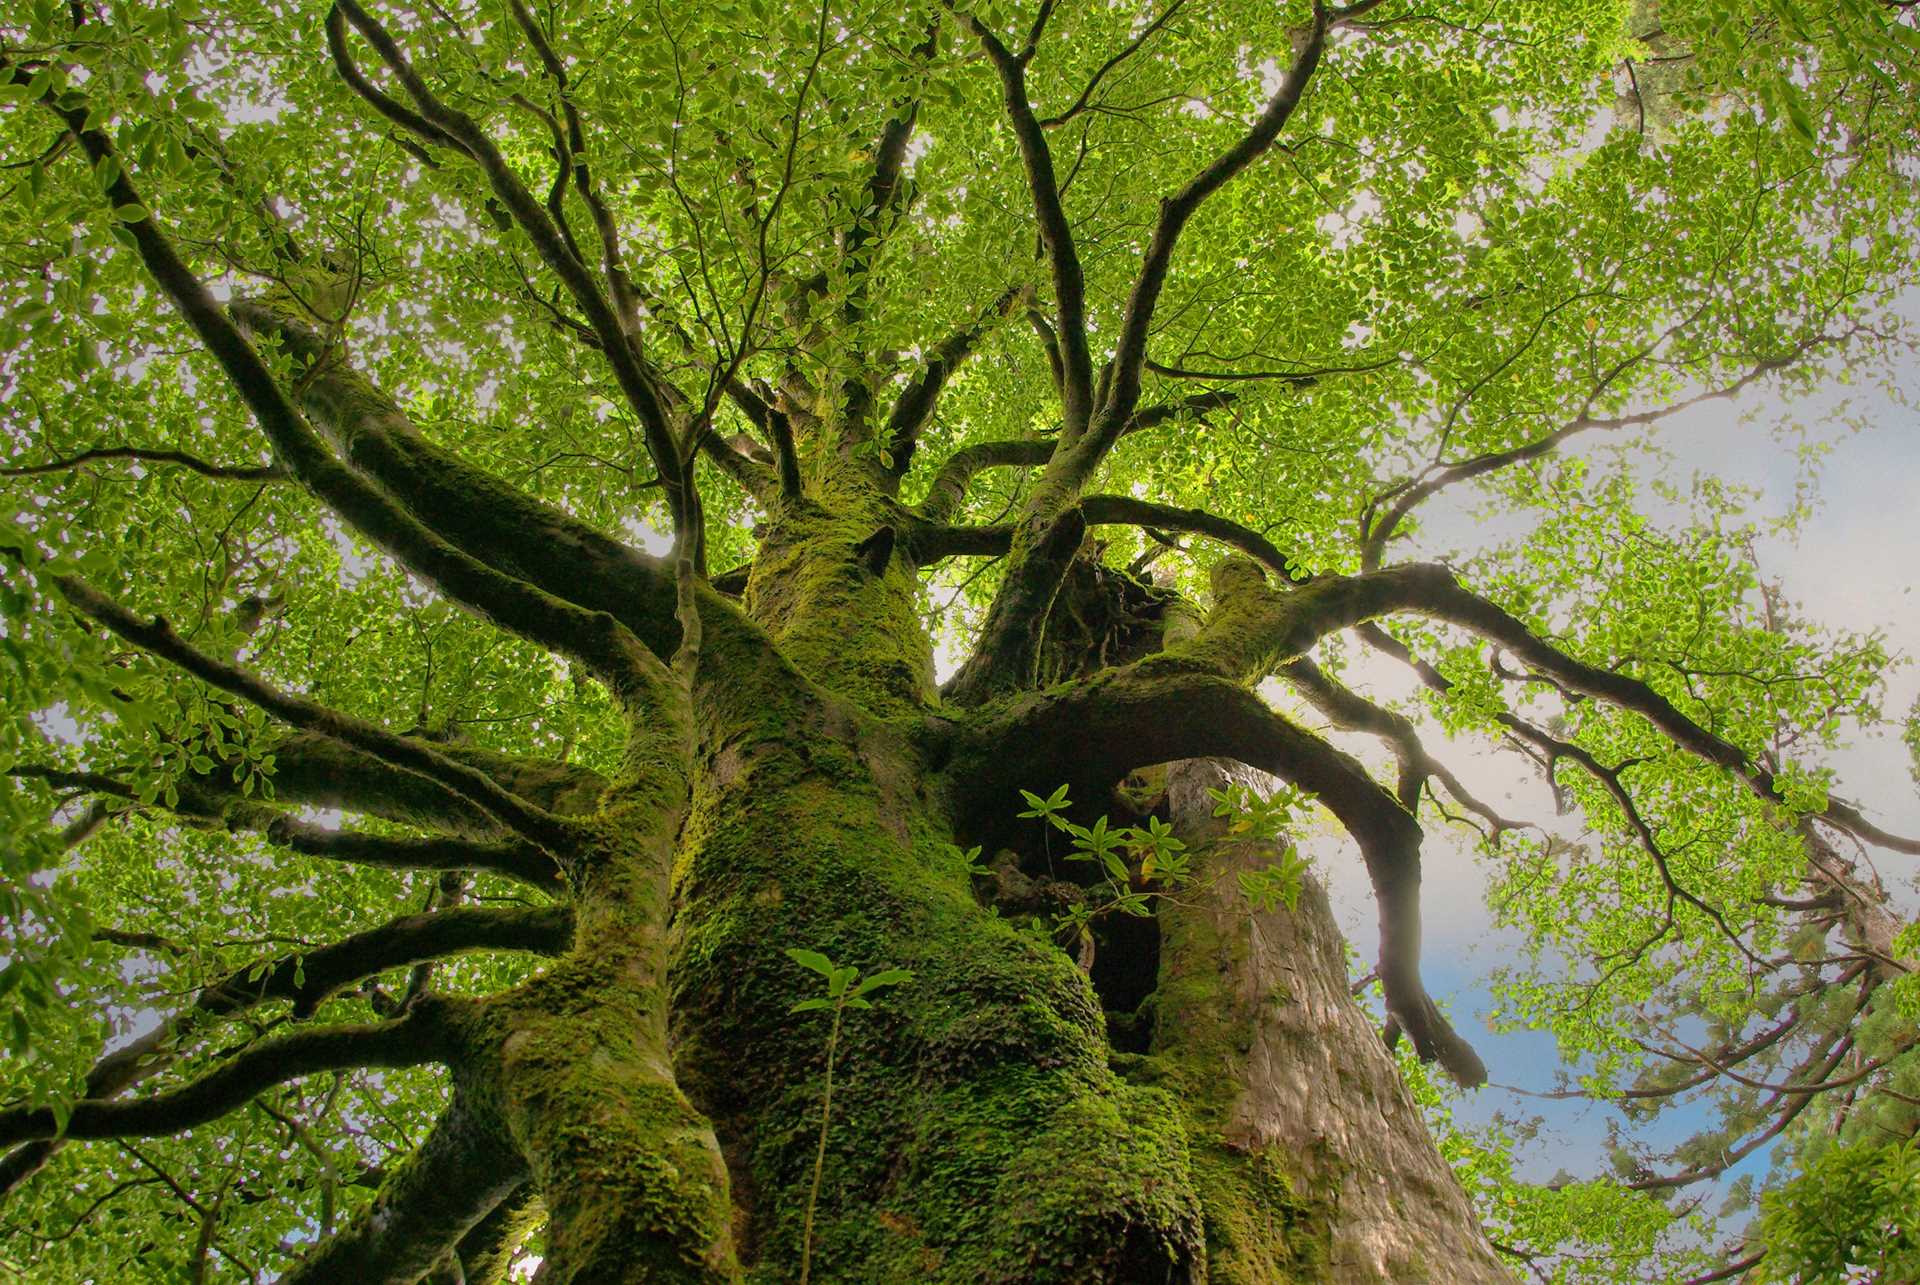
(558, 442)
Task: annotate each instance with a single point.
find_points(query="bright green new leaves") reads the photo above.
(1490, 229)
(1851, 1212)
(845, 988)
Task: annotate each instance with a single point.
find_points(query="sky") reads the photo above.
(1851, 565)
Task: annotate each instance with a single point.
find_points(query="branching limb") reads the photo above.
(1041, 546)
(1350, 710)
(487, 518)
(913, 410)
(928, 544)
(1176, 211)
(510, 602)
(1049, 344)
(1132, 47)
(521, 861)
(554, 833)
(572, 147)
(1818, 1066)
(419, 1037)
(1009, 646)
(1255, 629)
(1040, 553)
(486, 1253)
(307, 980)
(948, 490)
(111, 1074)
(1167, 707)
(319, 771)
(447, 126)
(1403, 499)
(1056, 233)
(147, 455)
(1298, 377)
(442, 1191)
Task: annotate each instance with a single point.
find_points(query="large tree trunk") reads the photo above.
(1309, 1154)
(983, 1127)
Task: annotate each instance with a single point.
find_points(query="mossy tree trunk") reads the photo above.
(792, 779)
(1175, 1100)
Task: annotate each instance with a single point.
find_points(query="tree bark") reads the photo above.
(1310, 1156)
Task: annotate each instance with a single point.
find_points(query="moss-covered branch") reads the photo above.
(413, 1040)
(554, 833)
(948, 490)
(307, 979)
(522, 861)
(463, 1171)
(319, 771)
(490, 519)
(510, 602)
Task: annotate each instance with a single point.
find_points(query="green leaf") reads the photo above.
(812, 960)
(885, 977)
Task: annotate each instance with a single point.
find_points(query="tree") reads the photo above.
(519, 466)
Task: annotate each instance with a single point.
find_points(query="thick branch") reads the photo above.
(554, 833)
(1056, 234)
(1009, 646)
(948, 490)
(307, 980)
(1170, 707)
(1041, 546)
(489, 519)
(1350, 710)
(512, 603)
(1255, 629)
(417, 1038)
(319, 771)
(453, 1180)
(929, 543)
(521, 861)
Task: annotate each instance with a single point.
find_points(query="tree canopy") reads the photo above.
(394, 397)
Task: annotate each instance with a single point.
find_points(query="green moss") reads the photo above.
(853, 631)
(1262, 1228)
(629, 1170)
(962, 1097)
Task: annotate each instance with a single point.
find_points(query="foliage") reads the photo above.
(822, 272)
(1848, 1217)
(845, 989)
